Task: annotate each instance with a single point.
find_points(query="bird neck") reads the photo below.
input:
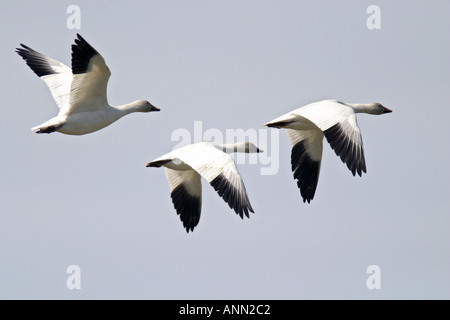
(234, 147)
(127, 108)
(359, 107)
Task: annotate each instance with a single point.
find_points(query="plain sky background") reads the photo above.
(90, 201)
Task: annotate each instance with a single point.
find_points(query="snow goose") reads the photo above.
(306, 128)
(186, 165)
(80, 92)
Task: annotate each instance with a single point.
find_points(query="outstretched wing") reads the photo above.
(346, 141)
(219, 169)
(55, 74)
(306, 156)
(186, 193)
(90, 78)
(338, 123)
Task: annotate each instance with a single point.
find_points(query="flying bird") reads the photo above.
(185, 166)
(306, 127)
(80, 91)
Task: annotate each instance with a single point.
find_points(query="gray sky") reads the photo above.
(89, 200)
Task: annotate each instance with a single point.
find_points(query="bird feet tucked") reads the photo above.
(49, 129)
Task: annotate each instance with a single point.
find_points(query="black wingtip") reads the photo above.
(35, 60)
(238, 202)
(23, 47)
(345, 148)
(305, 170)
(82, 53)
(188, 207)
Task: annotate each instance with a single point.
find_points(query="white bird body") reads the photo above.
(80, 91)
(184, 168)
(306, 127)
(79, 123)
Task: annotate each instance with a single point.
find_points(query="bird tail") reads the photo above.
(157, 163)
